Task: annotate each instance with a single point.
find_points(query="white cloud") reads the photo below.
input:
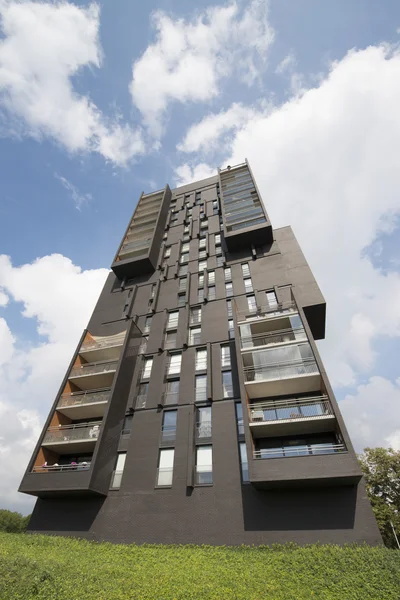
(3, 298)
(187, 174)
(287, 64)
(45, 45)
(190, 58)
(78, 198)
(59, 296)
(373, 411)
(326, 163)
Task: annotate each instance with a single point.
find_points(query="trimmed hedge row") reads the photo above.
(59, 568)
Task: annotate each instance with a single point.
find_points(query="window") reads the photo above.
(174, 366)
(227, 384)
(201, 280)
(248, 286)
(204, 465)
(204, 224)
(239, 418)
(271, 299)
(168, 432)
(245, 270)
(185, 238)
(170, 340)
(218, 251)
(194, 336)
(152, 291)
(202, 265)
(189, 212)
(201, 359)
(167, 252)
(201, 388)
(231, 328)
(202, 242)
(228, 274)
(185, 247)
(127, 425)
(172, 392)
(181, 299)
(229, 307)
(142, 395)
(119, 469)
(203, 425)
(200, 295)
(211, 277)
(243, 462)
(195, 316)
(202, 254)
(183, 284)
(220, 261)
(143, 345)
(251, 303)
(147, 325)
(225, 355)
(229, 289)
(198, 195)
(217, 239)
(148, 364)
(215, 207)
(165, 236)
(182, 270)
(173, 319)
(186, 229)
(184, 258)
(211, 292)
(165, 467)
(173, 221)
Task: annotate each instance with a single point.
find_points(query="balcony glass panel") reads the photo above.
(279, 363)
(72, 433)
(93, 368)
(289, 447)
(79, 398)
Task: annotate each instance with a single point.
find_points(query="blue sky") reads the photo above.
(99, 102)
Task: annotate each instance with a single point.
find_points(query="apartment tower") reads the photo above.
(196, 408)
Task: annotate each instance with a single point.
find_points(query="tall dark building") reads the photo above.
(196, 408)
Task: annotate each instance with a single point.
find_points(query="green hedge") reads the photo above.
(58, 568)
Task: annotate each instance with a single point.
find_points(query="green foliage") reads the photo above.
(12, 522)
(58, 568)
(381, 467)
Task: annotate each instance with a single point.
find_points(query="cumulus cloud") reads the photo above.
(187, 173)
(190, 57)
(44, 46)
(30, 374)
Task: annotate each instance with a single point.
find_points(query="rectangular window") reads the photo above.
(229, 307)
(248, 286)
(195, 316)
(203, 424)
(271, 299)
(202, 254)
(217, 239)
(201, 280)
(142, 395)
(181, 299)
(228, 274)
(167, 252)
(204, 224)
(231, 329)
(225, 355)
(171, 395)
(127, 425)
(174, 366)
(201, 359)
(143, 345)
(202, 265)
(244, 462)
(119, 469)
(165, 236)
(173, 222)
(211, 292)
(186, 229)
(165, 467)
(148, 364)
(227, 384)
(201, 388)
(183, 270)
(173, 319)
(229, 289)
(211, 277)
(168, 433)
(183, 284)
(170, 340)
(202, 243)
(184, 258)
(251, 303)
(185, 248)
(185, 238)
(215, 207)
(204, 465)
(239, 418)
(147, 325)
(189, 212)
(152, 291)
(220, 261)
(194, 336)
(218, 251)
(245, 270)
(200, 295)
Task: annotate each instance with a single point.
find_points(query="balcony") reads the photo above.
(272, 338)
(104, 348)
(203, 430)
(92, 376)
(293, 416)
(84, 405)
(80, 437)
(267, 311)
(304, 450)
(83, 466)
(132, 249)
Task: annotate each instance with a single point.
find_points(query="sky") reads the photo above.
(101, 101)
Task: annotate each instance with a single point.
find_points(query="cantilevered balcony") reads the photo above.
(294, 416)
(104, 348)
(84, 405)
(267, 311)
(79, 437)
(93, 376)
(132, 249)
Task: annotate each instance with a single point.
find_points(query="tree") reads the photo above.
(13, 522)
(381, 467)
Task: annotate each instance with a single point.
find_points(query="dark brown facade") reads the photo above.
(196, 408)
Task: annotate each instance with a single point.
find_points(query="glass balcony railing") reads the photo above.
(83, 466)
(300, 408)
(268, 310)
(73, 433)
(94, 368)
(203, 429)
(278, 336)
(303, 450)
(284, 370)
(103, 342)
(80, 398)
(133, 246)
